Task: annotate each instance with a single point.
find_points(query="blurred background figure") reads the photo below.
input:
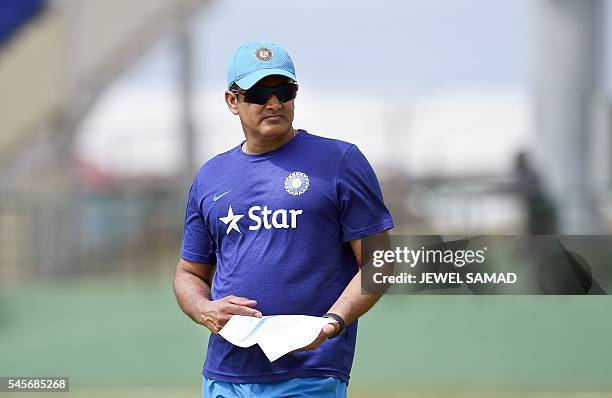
(109, 108)
(540, 212)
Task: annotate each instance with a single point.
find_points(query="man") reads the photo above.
(275, 226)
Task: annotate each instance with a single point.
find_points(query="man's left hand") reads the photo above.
(328, 331)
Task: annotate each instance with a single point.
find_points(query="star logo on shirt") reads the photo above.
(232, 220)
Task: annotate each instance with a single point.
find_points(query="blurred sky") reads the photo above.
(383, 46)
(453, 78)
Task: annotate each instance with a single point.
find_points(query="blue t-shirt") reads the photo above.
(278, 225)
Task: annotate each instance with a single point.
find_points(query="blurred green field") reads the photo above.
(119, 338)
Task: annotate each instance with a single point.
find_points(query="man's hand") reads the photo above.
(328, 331)
(215, 314)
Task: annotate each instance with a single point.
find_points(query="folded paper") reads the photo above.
(277, 335)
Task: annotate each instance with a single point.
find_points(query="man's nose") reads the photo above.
(273, 102)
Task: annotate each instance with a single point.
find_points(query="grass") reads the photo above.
(119, 338)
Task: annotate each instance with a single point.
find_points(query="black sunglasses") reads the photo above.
(260, 94)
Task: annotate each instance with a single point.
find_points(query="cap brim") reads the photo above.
(249, 81)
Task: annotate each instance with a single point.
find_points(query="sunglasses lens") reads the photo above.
(286, 92)
(257, 95)
(260, 95)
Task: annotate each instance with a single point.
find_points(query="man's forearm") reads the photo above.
(352, 304)
(190, 291)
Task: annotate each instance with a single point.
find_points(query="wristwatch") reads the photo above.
(340, 321)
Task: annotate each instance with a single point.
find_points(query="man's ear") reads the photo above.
(232, 102)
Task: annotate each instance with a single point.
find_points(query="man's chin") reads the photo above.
(274, 131)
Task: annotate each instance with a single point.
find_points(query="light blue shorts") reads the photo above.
(307, 387)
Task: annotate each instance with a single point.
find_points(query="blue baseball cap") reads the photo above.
(256, 60)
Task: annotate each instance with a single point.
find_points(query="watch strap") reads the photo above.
(340, 321)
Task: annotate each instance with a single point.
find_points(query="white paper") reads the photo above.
(277, 335)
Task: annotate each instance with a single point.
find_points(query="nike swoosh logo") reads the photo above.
(217, 197)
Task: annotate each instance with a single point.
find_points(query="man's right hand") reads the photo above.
(215, 314)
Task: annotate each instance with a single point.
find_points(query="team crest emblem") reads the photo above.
(263, 54)
(297, 183)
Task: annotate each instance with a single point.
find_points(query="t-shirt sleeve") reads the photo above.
(198, 244)
(361, 205)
